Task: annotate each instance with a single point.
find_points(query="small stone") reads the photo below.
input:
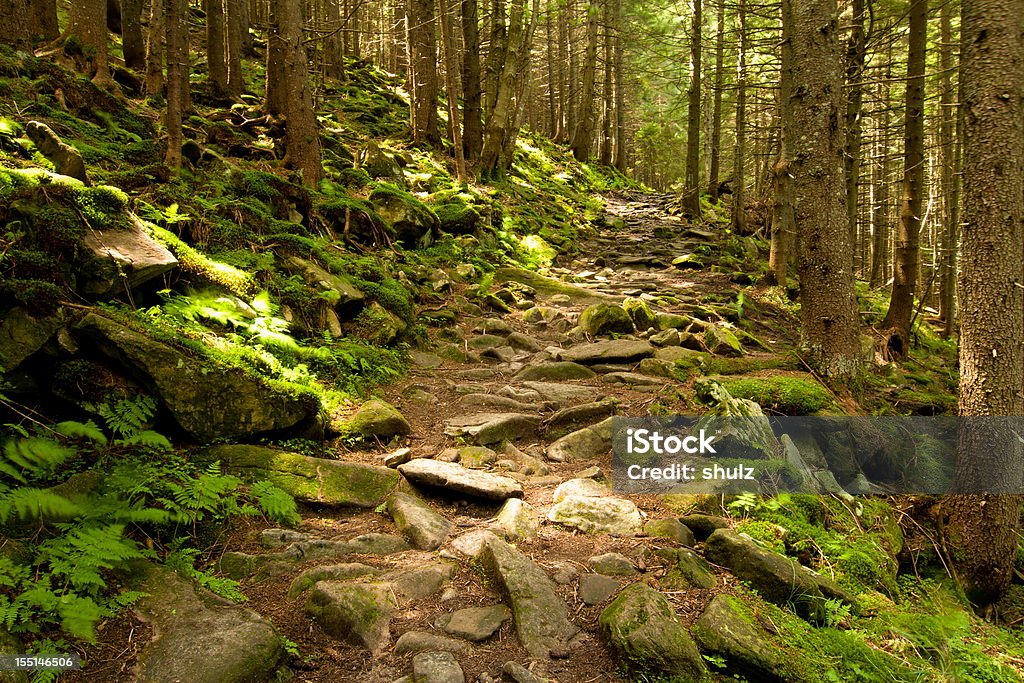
(375, 418)
(520, 674)
(277, 538)
(523, 342)
(612, 564)
(427, 361)
(554, 372)
(474, 623)
(472, 543)
(669, 337)
(488, 428)
(516, 520)
(632, 379)
(421, 582)
(579, 487)
(606, 351)
(600, 319)
(703, 526)
(583, 444)
(670, 528)
(355, 612)
(436, 667)
(596, 588)
(397, 457)
(331, 572)
(460, 479)
(495, 326)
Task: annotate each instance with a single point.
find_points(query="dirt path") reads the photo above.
(483, 367)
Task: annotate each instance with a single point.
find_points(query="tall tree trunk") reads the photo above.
(855, 55)
(716, 112)
(607, 101)
(784, 232)
(44, 20)
(583, 136)
(301, 138)
(451, 73)
(216, 52)
(948, 114)
(880, 212)
(907, 263)
(155, 47)
(618, 58)
(235, 48)
(564, 75)
(691, 201)
(174, 23)
(87, 22)
(739, 179)
(828, 307)
(16, 27)
(133, 45)
(276, 86)
(983, 530)
(423, 40)
(472, 137)
(334, 62)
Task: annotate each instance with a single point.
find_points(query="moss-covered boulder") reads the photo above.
(375, 418)
(597, 515)
(198, 637)
(600, 319)
(458, 218)
(686, 570)
(358, 613)
(648, 638)
(339, 290)
(416, 226)
(312, 480)
(554, 372)
(784, 394)
(208, 401)
(728, 630)
(381, 164)
(641, 314)
(22, 334)
(722, 341)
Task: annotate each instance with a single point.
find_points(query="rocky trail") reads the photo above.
(481, 540)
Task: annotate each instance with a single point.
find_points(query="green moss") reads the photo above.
(193, 261)
(748, 364)
(781, 394)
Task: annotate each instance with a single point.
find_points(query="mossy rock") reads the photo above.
(722, 341)
(601, 319)
(781, 393)
(374, 418)
(728, 630)
(458, 218)
(641, 314)
(643, 629)
(415, 224)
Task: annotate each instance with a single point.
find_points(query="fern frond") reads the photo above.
(81, 554)
(79, 616)
(81, 430)
(32, 458)
(277, 504)
(147, 438)
(34, 503)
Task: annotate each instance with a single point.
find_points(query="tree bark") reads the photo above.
(583, 135)
(87, 23)
(472, 138)
(982, 529)
(451, 70)
(907, 262)
(855, 55)
(716, 111)
(948, 142)
(174, 22)
(155, 47)
(235, 47)
(739, 178)
(44, 20)
(133, 45)
(334, 63)
(302, 140)
(829, 319)
(423, 41)
(16, 27)
(691, 203)
(216, 44)
(620, 96)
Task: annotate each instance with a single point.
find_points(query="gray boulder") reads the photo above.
(725, 629)
(358, 613)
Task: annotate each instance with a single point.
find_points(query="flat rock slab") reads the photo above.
(413, 642)
(643, 629)
(554, 372)
(583, 444)
(454, 477)
(330, 572)
(540, 616)
(596, 588)
(311, 480)
(198, 638)
(591, 515)
(633, 379)
(424, 528)
(488, 428)
(474, 623)
(358, 613)
(607, 351)
(561, 393)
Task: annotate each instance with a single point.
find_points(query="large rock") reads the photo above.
(605, 319)
(114, 259)
(197, 637)
(415, 225)
(358, 613)
(607, 351)
(516, 520)
(22, 334)
(424, 528)
(561, 393)
(330, 572)
(540, 616)
(454, 477)
(726, 630)
(208, 401)
(776, 578)
(583, 444)
(339, 290)
(646, 634)
(554, 372)
(374, 418)
(412, 642)
(474, 623)
(311, 480)
(615, 516)
(380, 164)
(490, 428)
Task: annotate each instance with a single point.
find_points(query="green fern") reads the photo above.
(89, 431)
(277, 505)
(35, 504)
(83, 553)
(126, 417)
(24, 460)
